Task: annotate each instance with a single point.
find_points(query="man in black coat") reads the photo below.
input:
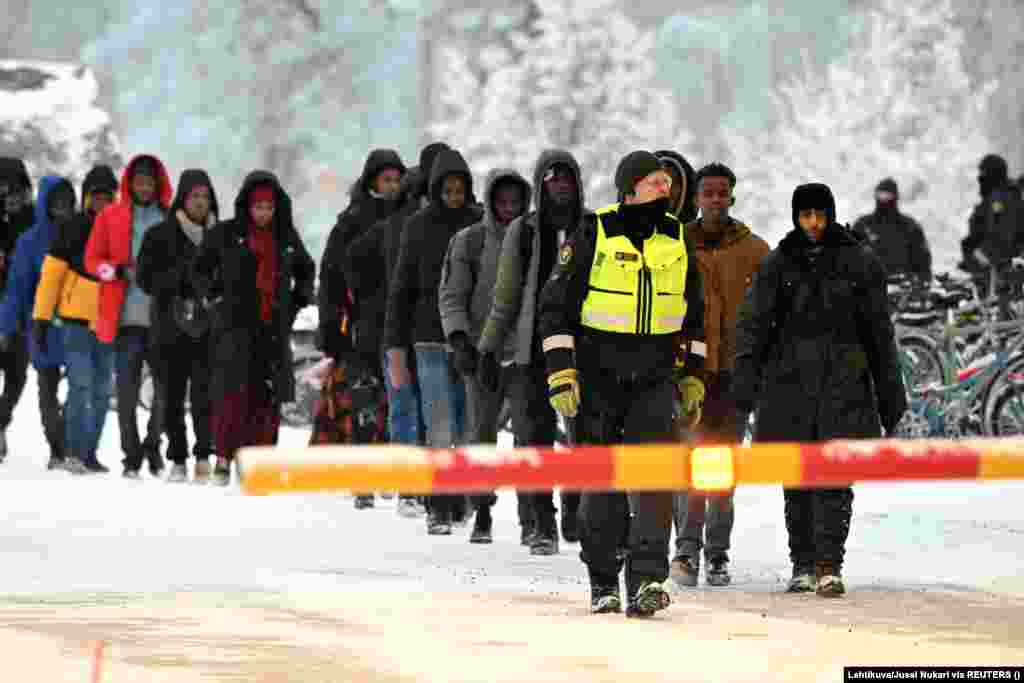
(255, 275)
(370, 263)
(816, 357)
(350, 320)
(180, 324)
(17, 214)
(374, 197)
(414, 319)
(897, 239)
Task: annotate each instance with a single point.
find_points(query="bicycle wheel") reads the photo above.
(1005, 413)
(920, 362)
(1000, 397)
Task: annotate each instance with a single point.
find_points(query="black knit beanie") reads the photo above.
(633, 168)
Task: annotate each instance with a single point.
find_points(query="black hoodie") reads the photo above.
(686, 211)
(224, 273)
(412, 307)
(355, 221)
(165, 265)
(14, 172)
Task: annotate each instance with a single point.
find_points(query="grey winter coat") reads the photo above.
(517, 288)
(471, 267)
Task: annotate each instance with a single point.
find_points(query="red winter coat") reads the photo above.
(111, 243)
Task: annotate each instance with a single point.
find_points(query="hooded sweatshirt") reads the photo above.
(13, 172)
(528, 256)
(412, 311)
(65, 286)
(364, 313)
(23, 276)
(166, 257)
(116, 240)
(686, 209)
(471, 266)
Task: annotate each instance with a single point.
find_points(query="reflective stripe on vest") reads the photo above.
(633, 292)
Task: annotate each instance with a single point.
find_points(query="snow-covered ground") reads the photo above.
(188, 583)
(62, 533)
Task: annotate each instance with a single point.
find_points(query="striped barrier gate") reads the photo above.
(422, 471)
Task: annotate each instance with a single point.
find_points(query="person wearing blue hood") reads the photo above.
(55, 204)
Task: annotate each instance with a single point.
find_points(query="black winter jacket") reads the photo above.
(412, 308)
(365, 314)
(815, 352)
(165, 265)
(245, 350)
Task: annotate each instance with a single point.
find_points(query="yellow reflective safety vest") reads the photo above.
(636, 292)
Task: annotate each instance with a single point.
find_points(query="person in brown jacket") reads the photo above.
(728, 254)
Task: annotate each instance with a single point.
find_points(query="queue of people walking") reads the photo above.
(657, 318)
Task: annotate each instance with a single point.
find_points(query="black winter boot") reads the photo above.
(482, 526)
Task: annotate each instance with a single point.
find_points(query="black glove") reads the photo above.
(489, 372)
(465, 355)
(40, 330)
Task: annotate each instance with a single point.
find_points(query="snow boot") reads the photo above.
(605, 599)
(94, 466)
(482, 526)
(132, 473)
(803, 580)
(830, 580)
(545, 540)
(717, 573)
(75, 465)
(438, 524)
(364, 502)
(652, 597)
(222, 472)
(684, 571)
(408, 507)
(57, 459)
(154, 460)
(526, 533)
(201, 475)
(179, 473)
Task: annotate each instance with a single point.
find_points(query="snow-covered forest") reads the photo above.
(843, 91)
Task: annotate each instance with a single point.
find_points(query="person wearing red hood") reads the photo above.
(124, 308)
(253, 275)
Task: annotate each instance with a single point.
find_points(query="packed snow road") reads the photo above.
(186, 583)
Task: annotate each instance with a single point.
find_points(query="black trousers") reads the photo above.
(186, 367)
(533, 424)
(50, 410)
(619, 526)
(818, 523)
(14, 366)
(132, 348)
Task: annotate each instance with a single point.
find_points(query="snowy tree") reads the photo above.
(585, 82)
(898, 103)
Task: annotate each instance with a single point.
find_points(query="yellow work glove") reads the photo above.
(564, 392)
(691, 392)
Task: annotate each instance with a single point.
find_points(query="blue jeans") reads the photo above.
(89, 365)
(443, 402)
(405, 422)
